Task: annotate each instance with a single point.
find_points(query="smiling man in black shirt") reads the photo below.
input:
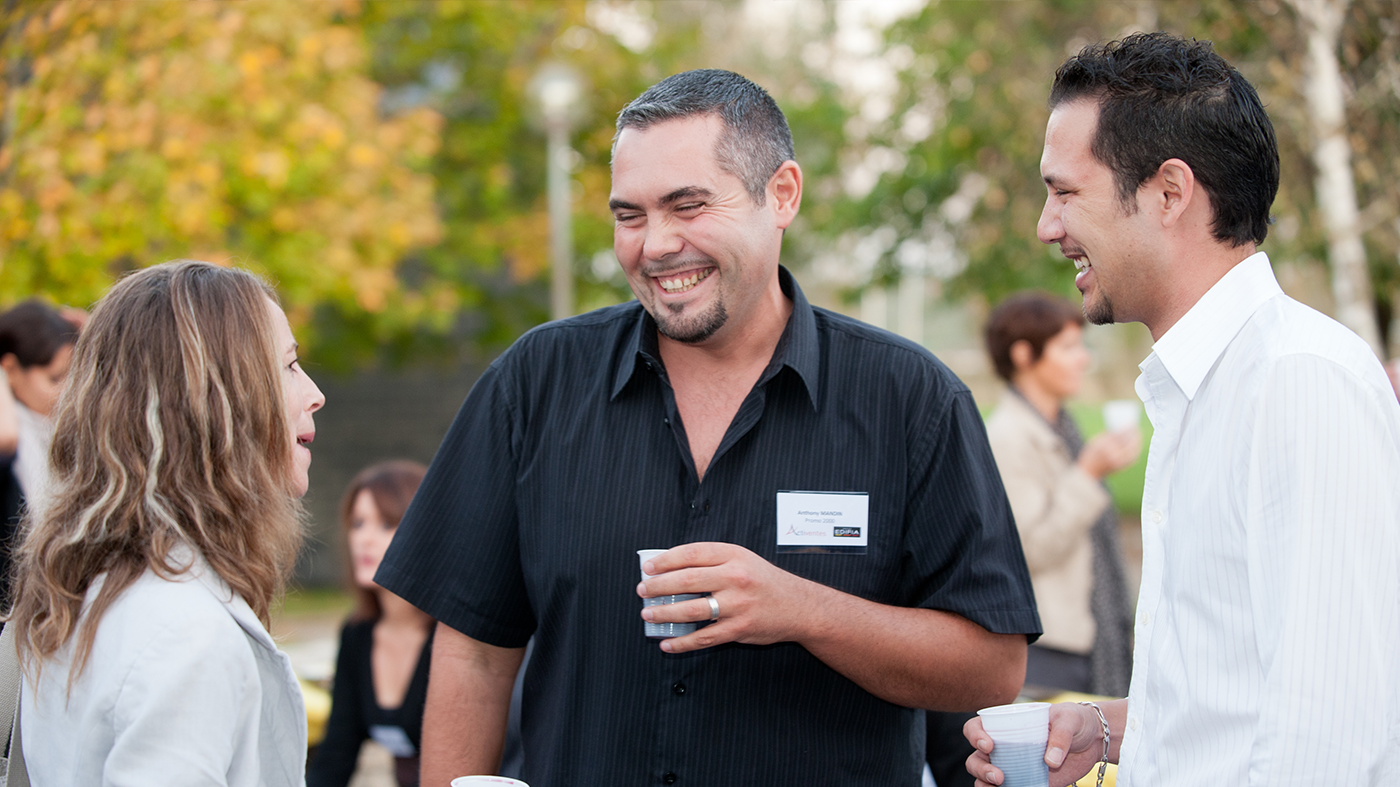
(828, 484)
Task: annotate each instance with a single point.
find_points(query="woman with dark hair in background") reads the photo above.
(36, 347)
(144, 587)
(1054, 480)
(381, 675)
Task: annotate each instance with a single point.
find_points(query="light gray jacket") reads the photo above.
(183, 686)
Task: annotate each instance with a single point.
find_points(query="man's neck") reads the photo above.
(1193, 276)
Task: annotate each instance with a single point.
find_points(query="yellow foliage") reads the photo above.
(151, 129)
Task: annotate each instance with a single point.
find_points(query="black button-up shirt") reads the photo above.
(569, 455)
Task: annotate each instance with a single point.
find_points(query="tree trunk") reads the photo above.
(1335, 188)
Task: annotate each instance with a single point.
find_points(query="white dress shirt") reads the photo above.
(1268, 628)
(31, 466)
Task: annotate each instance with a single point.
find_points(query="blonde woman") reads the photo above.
(143, 590)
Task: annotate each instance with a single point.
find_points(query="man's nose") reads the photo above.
(1050, 229)
(662, 240)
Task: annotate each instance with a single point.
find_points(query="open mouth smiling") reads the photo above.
(684, 282)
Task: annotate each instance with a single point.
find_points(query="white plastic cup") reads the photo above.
(1120, 415)
(482, 781)
(663, 630)
(1020, 733)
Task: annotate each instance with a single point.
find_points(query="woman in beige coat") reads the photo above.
(1054, 481)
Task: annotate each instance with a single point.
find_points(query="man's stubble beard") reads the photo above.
(702, 327)
(1099, 312)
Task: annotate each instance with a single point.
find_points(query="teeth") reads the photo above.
(1082, 265)
(681, 285)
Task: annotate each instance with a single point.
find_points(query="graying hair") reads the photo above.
(756, 140)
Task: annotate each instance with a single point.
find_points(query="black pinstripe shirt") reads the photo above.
(569, 455)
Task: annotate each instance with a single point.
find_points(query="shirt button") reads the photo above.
(1132, 723)
(678, 688)
(692, 505)
(668, 778)
(666, 421)
(1147, 618)
(1157, 517)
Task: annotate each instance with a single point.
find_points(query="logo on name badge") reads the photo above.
(846, 532)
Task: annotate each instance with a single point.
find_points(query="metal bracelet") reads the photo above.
(1103, 720)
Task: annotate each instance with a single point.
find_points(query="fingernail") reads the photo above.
(989, 778)
(666, 645)
(985, 745)
(646, 614)
(642, 589)
(1055, 756)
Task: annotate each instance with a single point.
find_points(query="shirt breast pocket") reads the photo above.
(873, 574)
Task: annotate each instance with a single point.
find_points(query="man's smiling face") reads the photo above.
(697, 251)
(1084, 215)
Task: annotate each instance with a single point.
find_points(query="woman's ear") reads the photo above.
(1022, 356)
(10, 363)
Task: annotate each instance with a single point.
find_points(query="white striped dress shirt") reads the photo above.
(1268, 628)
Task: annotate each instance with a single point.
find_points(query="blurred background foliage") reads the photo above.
(382, 162)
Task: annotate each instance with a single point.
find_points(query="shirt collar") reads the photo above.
(797, 349)
(1190, 348)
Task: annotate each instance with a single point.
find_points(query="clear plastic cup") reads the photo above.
(1019, 734)
(663, 630)
(1120, 415)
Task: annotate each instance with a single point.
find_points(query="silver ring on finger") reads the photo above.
(714, 608)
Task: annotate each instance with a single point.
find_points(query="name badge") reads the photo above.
(394, 739)
(823, 522)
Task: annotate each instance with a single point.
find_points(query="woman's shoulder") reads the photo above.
(183, 604)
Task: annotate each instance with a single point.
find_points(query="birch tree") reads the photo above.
(1325, 92)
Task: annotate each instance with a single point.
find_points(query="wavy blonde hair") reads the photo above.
(171, 430)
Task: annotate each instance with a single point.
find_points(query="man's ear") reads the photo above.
(1173, 189)
(785, 190)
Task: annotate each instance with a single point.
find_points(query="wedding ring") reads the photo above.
(714, 608)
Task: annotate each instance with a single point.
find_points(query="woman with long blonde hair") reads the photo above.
(142, 592)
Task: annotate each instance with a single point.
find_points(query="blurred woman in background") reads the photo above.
(36, 347)
(1054, 480)
(143, 589)
(381, 675)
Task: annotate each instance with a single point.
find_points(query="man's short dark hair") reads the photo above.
(1162, 97)
(756, 140)
(1032, 317)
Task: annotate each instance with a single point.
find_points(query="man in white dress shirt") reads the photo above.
(1268, 628)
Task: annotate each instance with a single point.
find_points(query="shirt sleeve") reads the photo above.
(960, 537)
(456, 553)
(346, 730)
(1321, 524)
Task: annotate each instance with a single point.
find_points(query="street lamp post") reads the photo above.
(559, 92)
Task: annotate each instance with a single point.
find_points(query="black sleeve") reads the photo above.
(456, 553)
(960, 534)
(339, 752)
